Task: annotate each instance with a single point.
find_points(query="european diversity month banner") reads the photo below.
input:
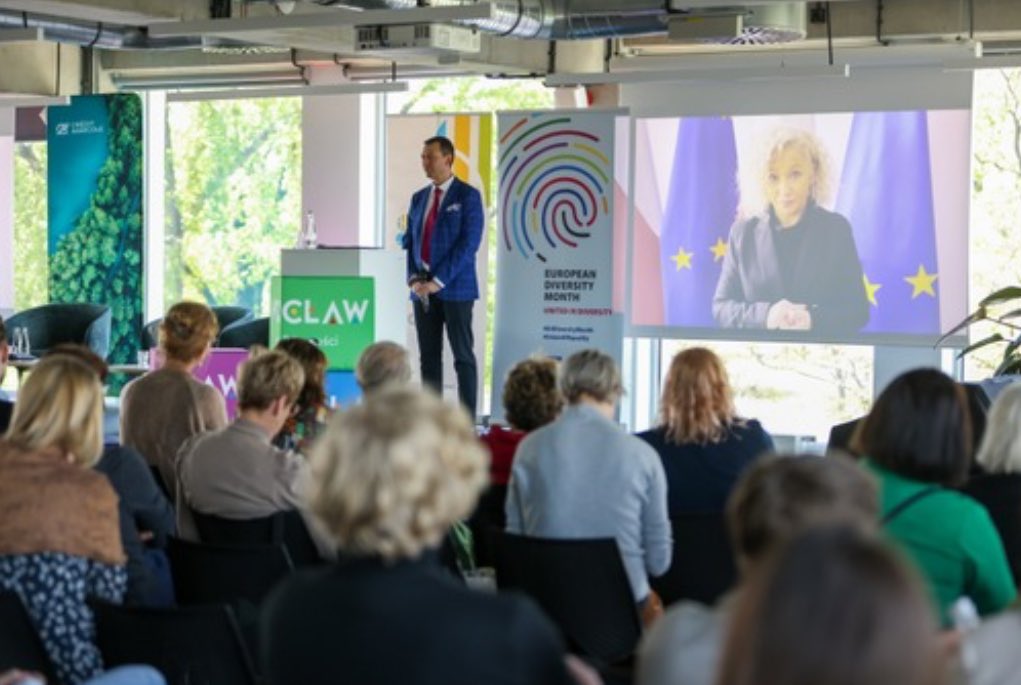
(554, 279)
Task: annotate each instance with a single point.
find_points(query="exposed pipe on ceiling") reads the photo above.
(93, 34)
(549, 19)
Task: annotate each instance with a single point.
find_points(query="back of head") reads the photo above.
(531, 397)
(390, 475)
(834, 607)
(381, 365)
(919, 428)
(268, 376)
(1000, 451)
(313, 363)
(83, 354)
(186, 330)
(590, 373)
(3, 332)
(779, 497)
(697, 403)
(60, 406)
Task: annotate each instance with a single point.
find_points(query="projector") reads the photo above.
(423, 38)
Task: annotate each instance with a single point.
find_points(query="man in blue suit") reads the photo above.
(444, 231)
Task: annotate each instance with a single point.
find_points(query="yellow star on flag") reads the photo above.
(870, 290)
(922, 282)
(719, 250)
(682, 259)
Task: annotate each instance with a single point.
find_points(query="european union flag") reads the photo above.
(886, 194)
(700, 208)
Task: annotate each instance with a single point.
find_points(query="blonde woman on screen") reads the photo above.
(793, 266)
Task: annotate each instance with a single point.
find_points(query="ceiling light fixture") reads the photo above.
(287, 91)
(716, 74)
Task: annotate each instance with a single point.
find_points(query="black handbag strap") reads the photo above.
(907, 502)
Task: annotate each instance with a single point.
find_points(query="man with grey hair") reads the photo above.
(582, 476)
(382, 364)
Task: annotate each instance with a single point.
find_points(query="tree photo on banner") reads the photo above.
(95, 211)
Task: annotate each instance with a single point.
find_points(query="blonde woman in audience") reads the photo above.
(59, 534)
(998, 487)
(775, 500)
(308, 418)
(390, 475)
(834, 607)
(917, 442)
(163, 408)
(703, 444)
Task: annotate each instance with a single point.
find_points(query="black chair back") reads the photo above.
(245, 334)
(284, 527)
(150, 336)
(211, 574)
(20, 646)
(198, 645)
(580, 584)
(231, 314)
(74, 322)
(703, 565)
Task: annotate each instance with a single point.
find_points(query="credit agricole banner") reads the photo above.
(337, 313)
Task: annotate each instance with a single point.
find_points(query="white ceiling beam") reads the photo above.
(709, 74)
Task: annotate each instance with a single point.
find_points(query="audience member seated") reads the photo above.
(531, 399)
(998, 488)
(236, 472)
(6, 406)
(59, 537)
(917, 441)
(703, 444)
(123, 675)
(391, 475)
(382, 365)
(310, 412)
(775, 500)
(165, 407)
(835, 607)
(146, 516)
(582, 476)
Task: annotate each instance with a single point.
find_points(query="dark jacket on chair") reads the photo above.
(405, 623)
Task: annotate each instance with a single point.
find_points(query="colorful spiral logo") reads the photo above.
(554, 183)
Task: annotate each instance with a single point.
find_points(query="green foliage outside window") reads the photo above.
(233, 198)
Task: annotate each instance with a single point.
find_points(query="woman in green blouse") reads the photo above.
(917, 442)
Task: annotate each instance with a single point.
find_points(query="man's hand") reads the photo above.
(787, 315)
(431, 287)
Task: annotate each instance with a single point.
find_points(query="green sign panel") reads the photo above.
(337, 313)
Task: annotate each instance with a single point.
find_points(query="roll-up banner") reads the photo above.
(554, 283)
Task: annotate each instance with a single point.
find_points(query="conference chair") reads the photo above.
(211, 574)
(200, 645)
(580, 584)
(150, 337)
(20, 646)
(703, 566)
(245, 334)
(52, 324)
(284, 527)
(227, 315)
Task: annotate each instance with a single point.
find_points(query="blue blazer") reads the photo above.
(456, 238)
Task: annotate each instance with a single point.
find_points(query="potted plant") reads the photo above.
(1001, 309)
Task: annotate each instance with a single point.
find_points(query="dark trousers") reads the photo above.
(457, 316)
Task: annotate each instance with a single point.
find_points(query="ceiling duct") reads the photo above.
(93, 34)
(579, 19)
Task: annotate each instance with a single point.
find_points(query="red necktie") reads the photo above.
(430, 222)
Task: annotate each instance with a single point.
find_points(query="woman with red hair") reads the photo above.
(704, 445)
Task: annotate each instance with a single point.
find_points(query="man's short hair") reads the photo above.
(267, 376)
(446, 146)
(781, 496)
(382, 364)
